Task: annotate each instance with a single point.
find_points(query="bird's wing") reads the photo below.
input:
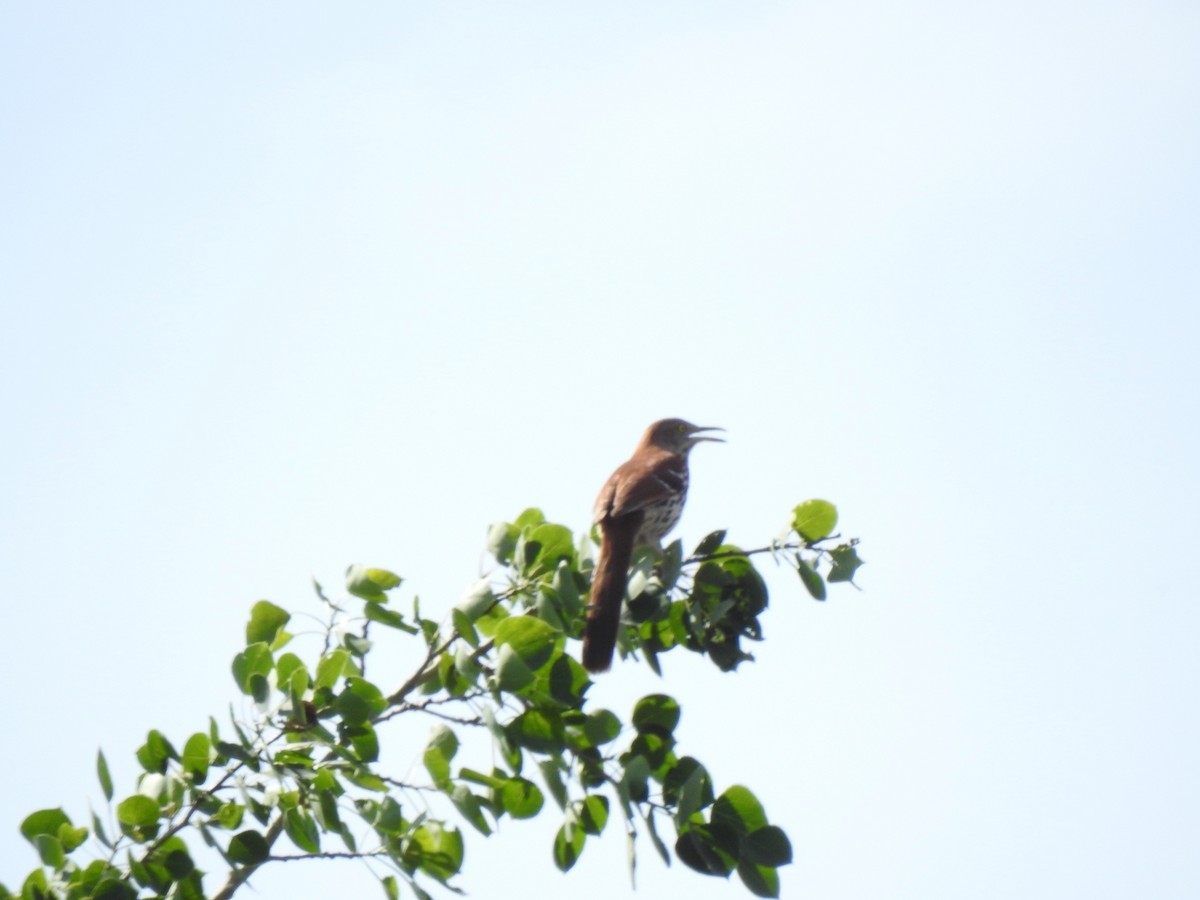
(639, 483)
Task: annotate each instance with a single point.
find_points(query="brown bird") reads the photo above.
(637, 506)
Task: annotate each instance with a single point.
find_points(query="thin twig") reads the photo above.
(427, 668)
(772, 548)
(476, 720)
(329, 854)
(201, 795)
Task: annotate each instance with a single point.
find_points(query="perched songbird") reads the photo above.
(638, 505)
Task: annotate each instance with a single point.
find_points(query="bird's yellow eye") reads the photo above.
(683, 428)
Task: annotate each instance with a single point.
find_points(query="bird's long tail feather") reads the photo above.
(608, 593)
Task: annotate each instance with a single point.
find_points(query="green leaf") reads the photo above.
(71, 837)
(332, 666)
(100, 881)
(302, 829)
(512, 753)
(153, 754)
(320, 592)
(248, 848)
(688, 787)
(814, 519)
(241, 735)
(229, 816)
(370, 584)
(845, 563)
(738, 809)
(546, 605)
(767, 846)
(657, 841)
(632, 785)
(234, 751)
(470, 807)
(563, 584)
(384, 815)
(390, 887)
(763, 881)
(501, 539)
(197, 754)
(266, 621)
(35, 886)
(138, 810)
(251, 667)
(656, 750)
(138, 817)
(511, 672)
(439, 850)
(102, 773)
(359, 701)
(710, 543)
(371, 697)
(450, 676)
(357, 644)
(324, 780)
(462, 624)
(704, 849)
(476, 777)
(598, 728)
(443, 744)
(174, 790)
(139, 871)
(366, 747)
(555, 542)
(477, 600)
(532, 639)
(811, 578)
(327, 809)
(288, 665)
(521, 798)
(568, 680)
(50, 850)
(98, 831)
(178, 863)
(656, 713)
(260, 688)
(44, 821)
(466, 661)
(389, 617)
(568, 844)
(536, 730)
(552, 774)
(593, 813)
(487, 623)
(529, 518)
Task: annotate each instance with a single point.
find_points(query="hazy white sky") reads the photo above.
(289, 287)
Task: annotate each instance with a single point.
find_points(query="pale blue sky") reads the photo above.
(294, 286)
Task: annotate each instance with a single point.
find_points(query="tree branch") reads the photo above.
(770, 548)
(329, 854)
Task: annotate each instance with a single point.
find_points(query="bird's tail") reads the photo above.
(608, 593)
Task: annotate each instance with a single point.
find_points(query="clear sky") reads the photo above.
(291, 286)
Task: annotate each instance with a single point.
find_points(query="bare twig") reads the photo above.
(329, 854)
(771, 548)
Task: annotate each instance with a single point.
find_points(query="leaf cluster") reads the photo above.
(302, 774)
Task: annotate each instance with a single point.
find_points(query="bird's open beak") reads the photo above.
(696, 437)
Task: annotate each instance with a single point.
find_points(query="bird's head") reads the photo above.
(677, 436)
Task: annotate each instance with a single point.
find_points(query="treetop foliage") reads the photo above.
(307, 762)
